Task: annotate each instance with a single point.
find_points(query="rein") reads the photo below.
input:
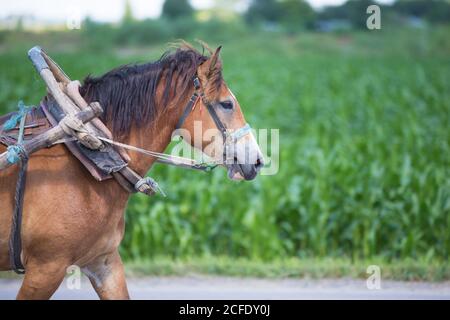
(165, 158)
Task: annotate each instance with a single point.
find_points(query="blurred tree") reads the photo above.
(292, 14)
(174, 9)
(264, 11)
(227, 4)
(225, 9)
(128, 13)
(353, 11)
(297, 14)
(19, 24)
(431, 10)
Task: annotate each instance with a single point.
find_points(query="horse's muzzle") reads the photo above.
(237, 171)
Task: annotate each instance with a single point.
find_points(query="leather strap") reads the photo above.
(187, 110)
(217, 121)
(191, 103)
(15, 239)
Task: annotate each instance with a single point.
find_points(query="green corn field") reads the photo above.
(364, 154)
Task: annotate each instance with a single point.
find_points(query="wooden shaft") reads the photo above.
(66, 93)
(55, 69)
(45, 67)
(70, 86)
(73, 92)
(68, 106)
(47, 138)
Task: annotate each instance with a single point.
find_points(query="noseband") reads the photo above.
(228, 137)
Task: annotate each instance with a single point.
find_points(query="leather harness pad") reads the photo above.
(40, 119)
(35, 124)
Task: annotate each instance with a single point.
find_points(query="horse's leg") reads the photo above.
(107, 276)
(41, 280)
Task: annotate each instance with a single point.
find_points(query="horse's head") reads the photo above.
(226, 136)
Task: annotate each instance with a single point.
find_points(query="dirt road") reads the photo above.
(208, 287)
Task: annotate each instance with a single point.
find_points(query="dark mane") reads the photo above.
(128, 93)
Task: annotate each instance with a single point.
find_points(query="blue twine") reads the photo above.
(14, 153)
(17, 151)
(11, 123)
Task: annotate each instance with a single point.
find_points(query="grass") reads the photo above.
(364, 158)
(311, 268)
(314, 268)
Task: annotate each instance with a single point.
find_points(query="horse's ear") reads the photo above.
(210, 67)
(213, 59)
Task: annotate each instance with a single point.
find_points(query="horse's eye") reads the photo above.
(228, 105)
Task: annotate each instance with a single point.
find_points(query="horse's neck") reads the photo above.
(154, 138)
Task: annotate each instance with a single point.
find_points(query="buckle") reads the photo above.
(196, 83)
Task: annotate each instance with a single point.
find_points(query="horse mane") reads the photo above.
(128, 93)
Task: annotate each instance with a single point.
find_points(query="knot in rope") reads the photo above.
(15, 153)
(143, 184)
(11, 123)
(73, 126)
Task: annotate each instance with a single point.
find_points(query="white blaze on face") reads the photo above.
(247, 152)
(246, 149)
(242, 153)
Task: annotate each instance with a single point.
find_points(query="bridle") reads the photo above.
(229, 138)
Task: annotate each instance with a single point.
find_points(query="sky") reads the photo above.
(107, 10)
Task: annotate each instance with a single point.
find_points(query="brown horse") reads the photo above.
(71, 219)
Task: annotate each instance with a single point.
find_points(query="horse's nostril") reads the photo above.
(259, 163)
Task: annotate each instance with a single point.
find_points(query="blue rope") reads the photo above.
(14, 153)
(17, 151)
(15, 118)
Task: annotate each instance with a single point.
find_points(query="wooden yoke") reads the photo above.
(67, 95)
(71, 89)
(84, 135)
